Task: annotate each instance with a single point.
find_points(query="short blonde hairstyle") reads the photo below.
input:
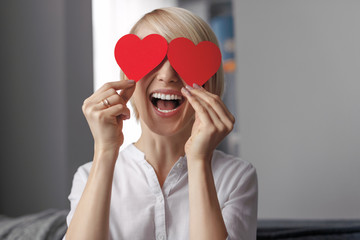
(174, 22)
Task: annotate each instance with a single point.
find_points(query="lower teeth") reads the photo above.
(165, 111)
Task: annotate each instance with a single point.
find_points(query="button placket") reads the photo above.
(159, 204)
(179, 165)
(175, 174)
(160, 237)
(160, 223)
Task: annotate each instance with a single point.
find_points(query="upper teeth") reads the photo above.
(166, 96)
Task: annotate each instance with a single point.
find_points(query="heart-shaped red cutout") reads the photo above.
(138, 57)
(195, 64)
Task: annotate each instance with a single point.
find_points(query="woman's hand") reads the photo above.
(213, 122)
(105, 111)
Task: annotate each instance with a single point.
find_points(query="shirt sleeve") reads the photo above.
(240, 210)
(78, 185)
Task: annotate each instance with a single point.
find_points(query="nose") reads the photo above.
(166, 73)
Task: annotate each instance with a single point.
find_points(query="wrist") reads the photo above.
(108, 154)
(200, 163)
(200, 159)
(106, 148)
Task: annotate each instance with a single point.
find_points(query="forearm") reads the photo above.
(206, 221)
(91, 217)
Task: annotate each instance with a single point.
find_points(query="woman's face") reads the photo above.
(159, 101)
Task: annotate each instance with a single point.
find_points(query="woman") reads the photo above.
(171, 183)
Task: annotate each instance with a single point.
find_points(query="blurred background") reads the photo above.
(292, 81)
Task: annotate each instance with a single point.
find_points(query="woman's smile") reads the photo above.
(166, 102)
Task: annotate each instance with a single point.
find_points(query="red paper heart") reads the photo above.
(138, 57)
(195, 64)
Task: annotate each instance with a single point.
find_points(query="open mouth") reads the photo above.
(165, 102)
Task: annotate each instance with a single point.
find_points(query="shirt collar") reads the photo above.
(138, 155)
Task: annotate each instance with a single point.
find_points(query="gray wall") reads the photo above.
(299, 94)
(46, 73)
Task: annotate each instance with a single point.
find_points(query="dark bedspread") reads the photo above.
(309, 230)
(49, 224)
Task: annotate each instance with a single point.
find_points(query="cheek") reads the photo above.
(139, 98)
(189, 111)
(139, 92)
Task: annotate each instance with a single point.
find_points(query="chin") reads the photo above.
(170, 126)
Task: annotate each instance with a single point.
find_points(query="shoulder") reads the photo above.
(226, 163)
(236, 185)
(232, 171)
(82, 173)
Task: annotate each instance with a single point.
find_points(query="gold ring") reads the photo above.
(106, 102)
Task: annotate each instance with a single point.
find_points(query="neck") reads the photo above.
(162, 151)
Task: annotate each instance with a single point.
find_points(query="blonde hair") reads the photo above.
(174, 22)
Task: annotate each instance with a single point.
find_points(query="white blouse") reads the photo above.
(142, 210)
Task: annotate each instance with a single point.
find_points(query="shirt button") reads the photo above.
(160, 199)
(179, 165)
(160, 237)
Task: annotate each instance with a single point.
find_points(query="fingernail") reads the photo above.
(130, 81)
(189, 87)
(124, 117)
(196, 86)
(186, 91)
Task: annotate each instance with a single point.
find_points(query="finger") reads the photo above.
(216, 102)
(113, 100)
(117, 85)
(126, 93)
(122, 97)
(118, 110)
(200, 110)
(226, 119)
(100, 96)
(216, 119)
(210, 98)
